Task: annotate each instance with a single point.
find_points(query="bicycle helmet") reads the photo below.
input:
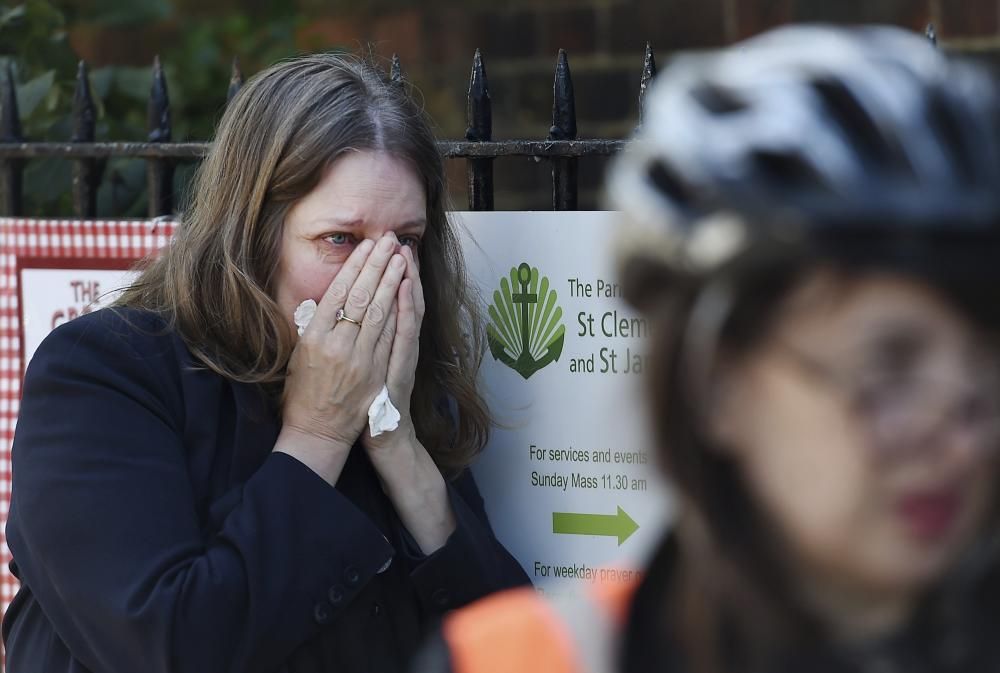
(867, 143)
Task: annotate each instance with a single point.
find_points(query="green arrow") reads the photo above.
(618, 525)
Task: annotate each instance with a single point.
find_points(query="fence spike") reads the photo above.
(563, 103)
(86, 172)
(158, 118)
(84, 114)
(479, 115)
(648, 73)
(564, 171)
(931, 33)
(235, 80)
(160, 173)
(479, 108)
(11, 170)
(10, 119)
(396, 70)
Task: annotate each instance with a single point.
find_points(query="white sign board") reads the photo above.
(568, 477)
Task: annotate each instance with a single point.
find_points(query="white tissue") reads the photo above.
(303, 314)
(383, 416)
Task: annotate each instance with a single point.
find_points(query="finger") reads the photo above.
(405, 345)
(406, 314)
(378, 310)
(383, 347)
(336, 294)
(364, 288)
(413, 274)
(382, 352)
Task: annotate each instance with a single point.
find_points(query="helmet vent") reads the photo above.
(951, 137)
(861, 131)
(667, 182)
(717, 100)
(787, 169)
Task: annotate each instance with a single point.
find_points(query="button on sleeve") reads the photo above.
(321, 613)
(335, 595)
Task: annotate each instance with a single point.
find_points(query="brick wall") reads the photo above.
(436, 40)
(605, 41)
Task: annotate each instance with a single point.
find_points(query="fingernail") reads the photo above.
(366, 245)
(397, 262)
(386, 243)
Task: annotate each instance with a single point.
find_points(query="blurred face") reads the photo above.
(363, 195)
(864, 425)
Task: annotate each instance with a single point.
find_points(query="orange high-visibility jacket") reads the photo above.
(521, 631)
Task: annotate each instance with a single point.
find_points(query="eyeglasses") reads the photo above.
(904, 408)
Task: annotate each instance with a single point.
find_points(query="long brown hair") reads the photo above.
(214, 283)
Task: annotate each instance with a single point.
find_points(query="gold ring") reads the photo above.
(343, 316)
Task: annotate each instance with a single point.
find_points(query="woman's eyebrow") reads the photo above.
(347, 223)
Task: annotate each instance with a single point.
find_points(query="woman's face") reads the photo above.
(365, 194)
(863, 424)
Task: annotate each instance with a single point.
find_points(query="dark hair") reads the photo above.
(215, 281)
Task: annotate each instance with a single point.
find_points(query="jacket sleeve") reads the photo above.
(472, 563)
(106, 533)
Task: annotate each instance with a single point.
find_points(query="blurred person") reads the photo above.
(196, 487)
(812, 224)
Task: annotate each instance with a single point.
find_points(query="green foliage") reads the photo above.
(197, 43)
(114, 12)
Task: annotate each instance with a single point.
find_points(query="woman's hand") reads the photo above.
(338, 367)
(408, 473)
(402, 367)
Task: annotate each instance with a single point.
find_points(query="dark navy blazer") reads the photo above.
(153, 529)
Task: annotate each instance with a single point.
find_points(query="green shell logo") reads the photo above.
(525, 331)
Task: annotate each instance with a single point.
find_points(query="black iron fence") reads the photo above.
(562, 147)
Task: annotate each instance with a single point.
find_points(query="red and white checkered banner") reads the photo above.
(50, 272)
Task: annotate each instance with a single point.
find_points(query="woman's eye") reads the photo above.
(884, 391)
(412, 241)
(339, 238)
